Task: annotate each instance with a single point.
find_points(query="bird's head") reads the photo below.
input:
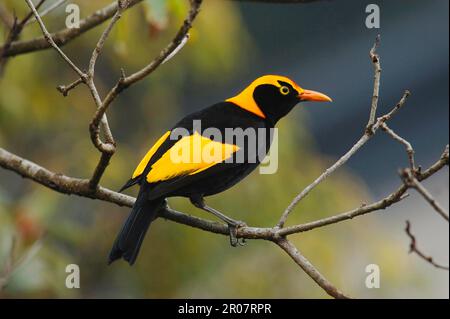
(273, 96)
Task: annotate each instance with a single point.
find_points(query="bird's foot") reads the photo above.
(233, 229)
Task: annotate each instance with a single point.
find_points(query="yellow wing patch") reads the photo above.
(190, 155)
(143, 164)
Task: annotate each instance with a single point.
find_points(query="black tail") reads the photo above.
(130, 238)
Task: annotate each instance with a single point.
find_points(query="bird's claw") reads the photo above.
(233, 228)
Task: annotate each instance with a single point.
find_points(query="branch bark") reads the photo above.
(404, 142)
(308, 268)
(64, 36)
(414, 249)
(411, 181)
(14, 33)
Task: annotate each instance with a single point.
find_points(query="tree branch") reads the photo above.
(411, 181)
(125, 82)
(108, 148)
(64, 36)
(51, 8)
(413, 248)
(371, 128)
(375, 58)
(353, 150)
(69, 185)
(12, 265)
(393, 198)
(401, 140)
(14, 33)
(48, 37)
(309, 269)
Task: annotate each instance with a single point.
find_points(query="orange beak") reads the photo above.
(313, 96)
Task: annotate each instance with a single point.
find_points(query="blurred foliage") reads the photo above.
(176, 261)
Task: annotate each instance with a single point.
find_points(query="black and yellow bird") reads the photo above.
(165, 171)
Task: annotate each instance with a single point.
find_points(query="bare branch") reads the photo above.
(80, 187)
(436, 166)
(121, 6)
(408, 146)
(371, 128)
(309, 269)
(395, 197)
(50, 40)
(76, 186)
(411, 181)
(413, 248)
(177, 41)
(51, 8)
(65, 89)
(12, 265)
(64, 36)
(69, 185)
(8, 265)
(375, 58)
(353, 150)
(14, 33)
(125, 82)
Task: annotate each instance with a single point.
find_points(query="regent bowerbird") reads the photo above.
(176, 164)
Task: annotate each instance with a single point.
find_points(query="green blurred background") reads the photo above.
(322, 46)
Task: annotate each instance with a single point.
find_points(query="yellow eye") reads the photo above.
(284, 90)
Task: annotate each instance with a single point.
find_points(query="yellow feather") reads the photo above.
(141, 167)
(190, 155)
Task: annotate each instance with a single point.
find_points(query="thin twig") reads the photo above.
(408, 146)
(50, 40)
(375, 58)
(48, 10)
(12, 265)
(65, 89)
(309, 269)
(371, 127)
(125, 82)
(14, 34)
(121, 6)
(411, 181)
(394, 197)
(341, 161)
(413, 248)
(66, 35)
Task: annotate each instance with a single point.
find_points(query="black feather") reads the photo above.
(129, 240)
(130, 183)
